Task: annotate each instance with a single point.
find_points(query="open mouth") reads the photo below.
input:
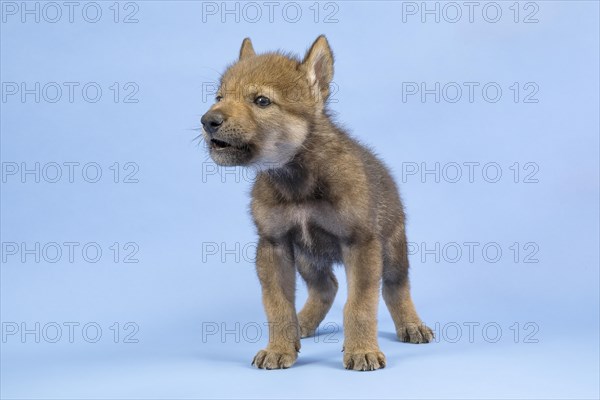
(231, 153)
(219, 144)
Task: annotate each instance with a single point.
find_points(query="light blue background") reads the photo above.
(180, 207)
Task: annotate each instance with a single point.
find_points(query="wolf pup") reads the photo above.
(319, 198)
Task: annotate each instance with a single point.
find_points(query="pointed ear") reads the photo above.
(247, 50)
(318, 64)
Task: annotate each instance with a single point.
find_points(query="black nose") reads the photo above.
(211, 121)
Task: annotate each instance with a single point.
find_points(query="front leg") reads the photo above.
(277, 275)
(364, 265)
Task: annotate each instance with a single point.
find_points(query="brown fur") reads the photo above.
(320, 198)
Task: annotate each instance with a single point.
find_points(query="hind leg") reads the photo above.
(396, 293)
(322, 287)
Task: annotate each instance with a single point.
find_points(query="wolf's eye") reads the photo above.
(262, 101)
(218, 98)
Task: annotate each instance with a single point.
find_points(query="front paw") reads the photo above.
(364, 361)
(415, 333)
(270, 359)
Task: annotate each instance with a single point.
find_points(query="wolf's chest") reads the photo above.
(305, 228)
(314, 229)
